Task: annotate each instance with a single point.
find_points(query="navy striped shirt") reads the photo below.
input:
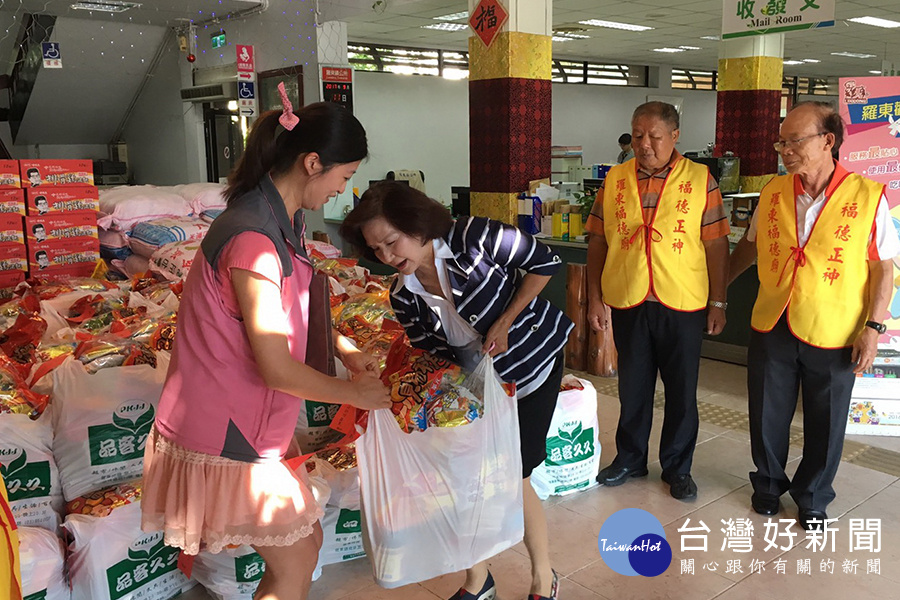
(484, 273)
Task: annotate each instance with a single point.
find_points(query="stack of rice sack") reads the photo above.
(157, 229)
(97, 350)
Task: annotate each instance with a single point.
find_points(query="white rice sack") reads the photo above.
(101, 422)
(232, 574)
(342, 539)
(173, 261)
(43, 564)
(573, 445)
(202, 196)
(28, 467)
(110, 558)
(121, 207)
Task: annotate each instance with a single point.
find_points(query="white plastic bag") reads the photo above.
(41, 557)
(232, 574)
(110, 558)
(312, 431)
(444, 499)
(573, 446)
(342, 536)
(101, 422)
(29, 470)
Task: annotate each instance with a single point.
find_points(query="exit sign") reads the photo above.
(218, 39)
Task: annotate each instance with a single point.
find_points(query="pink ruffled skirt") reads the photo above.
(205, 502)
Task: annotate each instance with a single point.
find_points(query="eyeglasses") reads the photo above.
(781, 145)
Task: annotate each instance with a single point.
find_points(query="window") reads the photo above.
(689, 79)
(408, 61)
(568, 71)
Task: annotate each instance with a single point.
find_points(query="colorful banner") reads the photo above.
(870, 107)
(757, 17)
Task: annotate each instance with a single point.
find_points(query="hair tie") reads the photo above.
(287, 119)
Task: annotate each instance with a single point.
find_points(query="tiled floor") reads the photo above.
(721, 464)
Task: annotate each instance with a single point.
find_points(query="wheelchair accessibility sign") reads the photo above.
(51, 54)
(247, 98)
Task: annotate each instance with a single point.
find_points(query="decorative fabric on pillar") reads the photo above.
(748, 110)
(509, 120)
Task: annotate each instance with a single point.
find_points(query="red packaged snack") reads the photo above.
(9, 174)
(11, 229)
(42, 200)
(12, 202)
(36, 173)
(60, 226)
(20, 341)
(15, 395)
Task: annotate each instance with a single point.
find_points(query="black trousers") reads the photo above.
(651, 338)
(778, 366)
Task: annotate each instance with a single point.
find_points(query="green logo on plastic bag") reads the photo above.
(125, 437)
(348, 522)
(572, 445)
(320, 414)
(249, 567)
(41, 595)
(23, 479)
(148, 559)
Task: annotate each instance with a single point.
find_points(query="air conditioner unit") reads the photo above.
(207, 93)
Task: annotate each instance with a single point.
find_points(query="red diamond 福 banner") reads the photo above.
(487, 19)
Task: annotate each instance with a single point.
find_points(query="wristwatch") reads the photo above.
(879, 327)
(717, 304)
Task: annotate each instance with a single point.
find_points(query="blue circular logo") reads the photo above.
(633, 542)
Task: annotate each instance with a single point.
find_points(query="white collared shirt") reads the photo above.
(461, 336)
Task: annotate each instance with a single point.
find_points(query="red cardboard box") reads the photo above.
(11, 231)
(63, 253)
(12, 201)
(9, 174)
(60, 226)
(13, 257)
(41, 200)
(36, 173)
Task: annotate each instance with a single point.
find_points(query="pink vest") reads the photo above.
(214, 399)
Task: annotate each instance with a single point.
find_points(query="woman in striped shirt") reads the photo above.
(465, 288)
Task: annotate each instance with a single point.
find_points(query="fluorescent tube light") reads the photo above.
(615, 25)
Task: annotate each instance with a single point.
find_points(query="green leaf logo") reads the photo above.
(16, 465)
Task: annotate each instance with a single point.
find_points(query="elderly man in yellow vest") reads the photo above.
(823, 240)
(658, 257)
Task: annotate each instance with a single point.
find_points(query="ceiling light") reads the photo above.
(614, 25)
(710, 37)
(853, 55)
(875, 72)
(111, 6)
(454, 17)
(446, 26)
(690, 48)
(793, 62)
(561, 38)
(811, 60)
(574, 36)
(875, 21)
(669, 50)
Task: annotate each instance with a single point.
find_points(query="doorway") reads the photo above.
(224, 131)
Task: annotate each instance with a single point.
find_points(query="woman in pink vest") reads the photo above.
(214, 474)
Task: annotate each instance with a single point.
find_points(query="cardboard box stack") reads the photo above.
(61, 223)
(13, 259)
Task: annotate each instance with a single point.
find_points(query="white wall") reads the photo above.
(154, 133)
(594, 116)
(422, 123)
(414, 122)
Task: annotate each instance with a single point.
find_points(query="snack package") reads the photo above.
(20, 341)
(110, 350)
(428, 391)
(15, 395)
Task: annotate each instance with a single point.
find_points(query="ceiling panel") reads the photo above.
(674, 24)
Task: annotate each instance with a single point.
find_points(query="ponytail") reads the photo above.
(326, 128)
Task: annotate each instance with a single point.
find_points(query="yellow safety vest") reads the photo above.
(665, 255)
(823, 284)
